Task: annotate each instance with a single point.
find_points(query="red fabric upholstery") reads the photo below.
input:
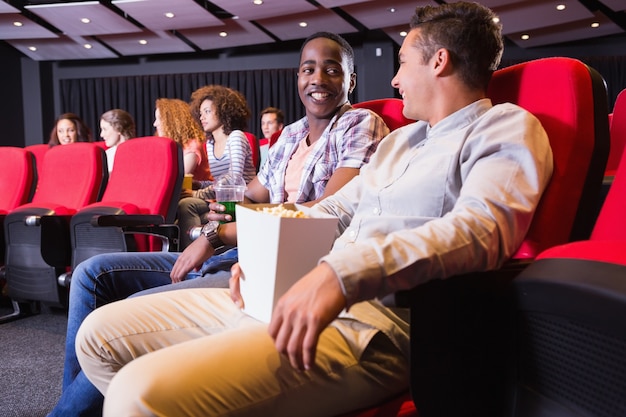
(17, 177)
(143, 177)
(618, 133)
(71, 176)
(254, 146)
(558, 91)
(608, 238)
(390, 109)
(275, 137)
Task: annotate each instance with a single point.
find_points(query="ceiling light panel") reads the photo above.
(28, 30)
(615, 5)
(245, 9)
(151, 14)
(341, 3)
(62, 48)
(524, 17)
(156, 43)
(569, 32)
(67, 18)
(380, 14)
(239, 33)
(7, 8)
(287, 27)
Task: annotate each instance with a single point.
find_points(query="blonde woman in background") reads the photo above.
(116, 126)
(173, 119)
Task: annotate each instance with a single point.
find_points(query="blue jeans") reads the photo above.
(110, 277)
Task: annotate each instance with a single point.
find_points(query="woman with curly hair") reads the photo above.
(224, 114)
(173, 119)
(69, 128)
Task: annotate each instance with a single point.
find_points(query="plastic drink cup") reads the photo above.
(187, 181)
(228, 192)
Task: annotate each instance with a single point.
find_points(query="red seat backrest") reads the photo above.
(618, 133)
(569, 99)
(254, 146)
(18, 177)
(146, 173)
(390, 109)
(71, 176)
(611, 221)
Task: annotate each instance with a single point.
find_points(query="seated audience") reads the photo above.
(452, 193)
(173, 119)
(321, 152)
(116, 126)
(69, 128)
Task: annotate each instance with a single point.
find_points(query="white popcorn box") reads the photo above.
(274, 252)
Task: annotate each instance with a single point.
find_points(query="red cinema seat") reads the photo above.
(18, 179)
(139, 203)
(390, 109)
(71, 177)
(570, 324)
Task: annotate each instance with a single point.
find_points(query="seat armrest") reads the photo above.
(126, 220)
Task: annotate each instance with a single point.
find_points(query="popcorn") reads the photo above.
(281, 211)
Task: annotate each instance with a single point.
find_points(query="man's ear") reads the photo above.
(352, 82)
(441, 61)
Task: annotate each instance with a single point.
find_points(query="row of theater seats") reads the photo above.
(77, 211)
(501, 343)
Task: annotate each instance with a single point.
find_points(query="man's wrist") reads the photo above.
(211, 232)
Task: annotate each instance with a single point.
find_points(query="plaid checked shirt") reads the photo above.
(348, 141)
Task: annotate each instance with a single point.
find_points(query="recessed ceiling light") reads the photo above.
(258, 2)
(403, 33)
(87, 46)
(169, 15)
(143, 42)
(32, 48)
(18, 24)
(85, 20)
(560, 7)
(595, 25)
(525, 37)
(303, 24)
(392, 9)
(496, 19)
(223, 34)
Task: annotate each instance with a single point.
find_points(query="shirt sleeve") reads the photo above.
(360, 131)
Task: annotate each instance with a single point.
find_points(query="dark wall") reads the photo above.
(11, 104)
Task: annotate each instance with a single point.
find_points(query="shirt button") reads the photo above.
(352, 233)
(376, 210)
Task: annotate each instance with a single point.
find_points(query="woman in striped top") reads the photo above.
(223, 113)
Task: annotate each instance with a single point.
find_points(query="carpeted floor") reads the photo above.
(31, 362)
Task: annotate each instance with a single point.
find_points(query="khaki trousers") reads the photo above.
(194, 353)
